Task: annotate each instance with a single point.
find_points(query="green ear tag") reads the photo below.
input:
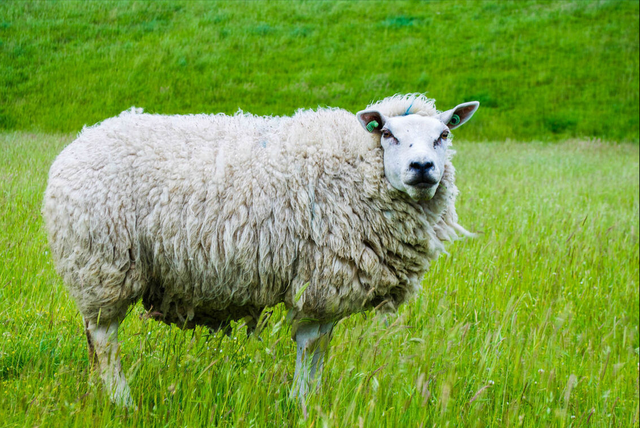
(372, 125)
(455, 119)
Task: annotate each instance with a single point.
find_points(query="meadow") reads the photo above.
(541, 70)
(534, 322)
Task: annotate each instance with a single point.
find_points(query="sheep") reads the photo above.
(210, 219)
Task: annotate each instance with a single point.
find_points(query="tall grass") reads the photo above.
(532, 323)
(541, 70)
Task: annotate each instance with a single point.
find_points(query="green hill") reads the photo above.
(541, 70)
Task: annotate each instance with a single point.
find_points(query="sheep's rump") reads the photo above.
(211, 218)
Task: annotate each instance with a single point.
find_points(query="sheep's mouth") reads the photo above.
(424, 185)
(422, 181)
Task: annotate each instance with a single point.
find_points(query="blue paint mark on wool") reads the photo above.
(409, 109)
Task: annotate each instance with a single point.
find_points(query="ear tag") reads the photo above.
(455, 119)
(372, 125)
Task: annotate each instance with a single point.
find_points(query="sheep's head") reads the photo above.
(415, 146)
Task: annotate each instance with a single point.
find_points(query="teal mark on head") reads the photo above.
(455, 119)
(372, 125)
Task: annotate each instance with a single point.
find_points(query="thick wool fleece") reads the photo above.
(212, 218)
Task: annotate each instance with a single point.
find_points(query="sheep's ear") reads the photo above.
(371, 120)
(458, 115)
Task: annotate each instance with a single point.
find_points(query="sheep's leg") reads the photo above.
(93, 359)
(317, 363)
(104, 352)
(312, 341)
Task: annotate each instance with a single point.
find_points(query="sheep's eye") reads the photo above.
(443, 137)
(386, 134)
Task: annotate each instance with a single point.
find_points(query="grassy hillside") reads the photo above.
(534, 322)
(542, 70)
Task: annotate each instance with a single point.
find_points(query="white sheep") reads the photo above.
(213, 218)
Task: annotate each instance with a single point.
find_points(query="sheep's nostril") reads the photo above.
(422, 174)
(421, 167)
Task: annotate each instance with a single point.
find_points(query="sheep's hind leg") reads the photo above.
(104, 352)
(312, 341)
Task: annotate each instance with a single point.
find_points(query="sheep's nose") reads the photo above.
(421, 167)
(422, 173)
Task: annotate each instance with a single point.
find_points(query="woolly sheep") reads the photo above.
(213, 218)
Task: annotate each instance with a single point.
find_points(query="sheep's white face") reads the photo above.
(415, 150)
(415, 147)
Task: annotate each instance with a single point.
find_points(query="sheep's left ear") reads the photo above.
(458, 115)
(371, 120)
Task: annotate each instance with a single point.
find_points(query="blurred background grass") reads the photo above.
(541, 70)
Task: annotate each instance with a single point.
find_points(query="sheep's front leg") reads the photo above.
(312, 341)
(104, 352)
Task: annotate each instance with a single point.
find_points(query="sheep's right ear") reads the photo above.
(459, 114)
(371, 120)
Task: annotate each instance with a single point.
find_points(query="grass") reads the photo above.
(541, 70)
(533, 323)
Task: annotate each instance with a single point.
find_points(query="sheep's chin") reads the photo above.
(422, 194)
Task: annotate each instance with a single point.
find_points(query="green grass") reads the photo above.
(541, 70)
(533, 323)
(541, 309)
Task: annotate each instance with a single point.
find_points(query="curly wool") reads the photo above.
(212, 218)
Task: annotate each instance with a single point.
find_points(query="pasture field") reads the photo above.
(533, 323)
(542, 70)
